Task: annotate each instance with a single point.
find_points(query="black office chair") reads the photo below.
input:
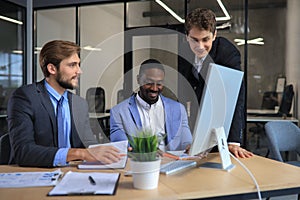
(269, 101)
(95, 97)
(4, 149)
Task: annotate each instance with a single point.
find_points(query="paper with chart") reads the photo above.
(29, 179)
(78, 183)
(122, 146)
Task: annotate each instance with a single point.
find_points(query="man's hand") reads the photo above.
(239, 152)
(104, 154)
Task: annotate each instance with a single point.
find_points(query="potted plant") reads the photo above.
(144, 160)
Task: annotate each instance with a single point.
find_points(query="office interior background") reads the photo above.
(116, 36)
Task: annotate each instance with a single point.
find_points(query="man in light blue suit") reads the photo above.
(148, 109)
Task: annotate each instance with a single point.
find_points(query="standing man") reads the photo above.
(48, 125)
(148, 109)
(205, 48)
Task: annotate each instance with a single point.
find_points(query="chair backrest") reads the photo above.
(4, 149)
(282, 136)
(287, 99)
(270, 100)
(95, 98)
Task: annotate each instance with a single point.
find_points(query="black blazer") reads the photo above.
(33, 128)
(224, 53)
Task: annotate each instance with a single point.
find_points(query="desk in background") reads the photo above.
(265, 119)
(274, 178)
(261, 117)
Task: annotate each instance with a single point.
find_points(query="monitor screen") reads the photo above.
(217, 106)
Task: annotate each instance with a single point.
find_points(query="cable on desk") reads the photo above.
(251, 175)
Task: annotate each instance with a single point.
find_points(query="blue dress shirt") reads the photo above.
(60, 158)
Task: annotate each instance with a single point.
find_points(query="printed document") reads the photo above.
(29, 179)
(80, 183)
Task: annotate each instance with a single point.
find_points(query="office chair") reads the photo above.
(95, 97)
(4, 149)
(269, 101)
(283, 136)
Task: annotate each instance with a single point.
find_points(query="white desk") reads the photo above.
(264, 119)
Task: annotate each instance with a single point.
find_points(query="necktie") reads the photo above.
(60, 124)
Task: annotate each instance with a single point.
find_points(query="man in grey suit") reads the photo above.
(35, 113)
(148, 109)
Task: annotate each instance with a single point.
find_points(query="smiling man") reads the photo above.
(148, 109)
(48, 125)
(204, 47)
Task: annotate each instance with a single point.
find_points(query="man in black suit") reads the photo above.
(32, 114)
(204, 47)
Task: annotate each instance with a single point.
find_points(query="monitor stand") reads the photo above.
(223, 151)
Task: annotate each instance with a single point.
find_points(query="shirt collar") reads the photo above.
(54, 93)
(198, 63)
(145, 105)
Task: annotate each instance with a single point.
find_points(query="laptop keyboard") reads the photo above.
(177, 166)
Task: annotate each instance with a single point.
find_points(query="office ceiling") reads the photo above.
(8, 31)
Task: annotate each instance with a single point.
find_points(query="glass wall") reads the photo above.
(101, 40)
(51, 24)
(12, 40)
(116, 37)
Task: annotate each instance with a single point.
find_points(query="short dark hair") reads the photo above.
(201, 18)
(54, 52)
(150, 64)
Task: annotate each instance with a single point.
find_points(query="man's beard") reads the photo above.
(64, 83)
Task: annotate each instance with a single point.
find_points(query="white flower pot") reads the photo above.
(145, 174)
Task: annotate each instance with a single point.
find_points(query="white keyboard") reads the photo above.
(177, 166)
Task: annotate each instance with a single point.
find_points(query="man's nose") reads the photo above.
(79, 71)
(200, 45)
(154, 87)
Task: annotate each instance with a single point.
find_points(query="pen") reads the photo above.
(92, 181)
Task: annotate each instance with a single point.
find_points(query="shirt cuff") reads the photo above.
(60, 158)
(235, 143)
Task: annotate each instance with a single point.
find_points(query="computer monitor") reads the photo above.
(217, 107)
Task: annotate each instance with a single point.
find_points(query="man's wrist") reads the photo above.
(235, 143)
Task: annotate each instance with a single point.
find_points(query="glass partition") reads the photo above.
(57, 23)
(101, 41)
(12, 40)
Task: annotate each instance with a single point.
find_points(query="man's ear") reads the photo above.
(51, 68)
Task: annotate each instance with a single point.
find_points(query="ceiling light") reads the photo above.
(17, 51)
(181, 20)
(227, 17)
(224, 25)
(90, 48)
(170, 11)
(11, 20)
(258, 41)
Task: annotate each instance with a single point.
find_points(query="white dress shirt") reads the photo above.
(153, 118)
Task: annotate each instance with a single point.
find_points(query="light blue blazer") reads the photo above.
(125, 119)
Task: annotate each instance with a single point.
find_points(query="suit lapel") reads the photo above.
(46, 102)
(134, 112)
(171, 116)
